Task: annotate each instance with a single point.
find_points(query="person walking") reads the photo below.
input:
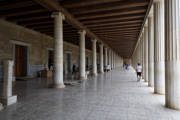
(139, 71)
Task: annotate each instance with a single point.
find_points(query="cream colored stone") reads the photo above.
(159, 50)
(1, 107)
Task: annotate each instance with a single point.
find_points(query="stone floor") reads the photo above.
(112, 96)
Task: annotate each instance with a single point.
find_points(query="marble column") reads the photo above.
(159, 50)
(150, 52)
(94, 69)
(114, 61)
(110, 59)
(141, 50)
(146, 53)
(7, 98)
(172, 56)
(82, 67)
(106, 57)
(101, 59)
(143, 72)
(58, 50)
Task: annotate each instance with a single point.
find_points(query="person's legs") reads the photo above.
(138, 76)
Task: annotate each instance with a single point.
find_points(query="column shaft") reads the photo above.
(110, 58)
(143, 66)
(94, 57)
(172, 56)
(106, 57)
(101, 59)
(159, 65)
(146, 53)
(151, 52)
(58, 51)
(82, 66)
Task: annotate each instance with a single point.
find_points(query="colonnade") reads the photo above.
(109, 58)
(158, 50)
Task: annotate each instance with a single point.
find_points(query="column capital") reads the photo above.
(101, 45)
(93, 40)
(82, 32)
(155, 1)
(56, 14)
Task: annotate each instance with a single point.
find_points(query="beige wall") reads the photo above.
(38, 45)
(127, 61)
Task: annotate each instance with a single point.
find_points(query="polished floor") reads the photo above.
(112, 96)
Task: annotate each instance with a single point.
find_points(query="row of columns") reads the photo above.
(8, 98)
(160, 51)
(58, 53)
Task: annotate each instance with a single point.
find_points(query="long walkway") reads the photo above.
(112, 96)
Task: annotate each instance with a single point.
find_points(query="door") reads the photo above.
(20, 61)
(87, 63)
(68, 59)
(50, 58)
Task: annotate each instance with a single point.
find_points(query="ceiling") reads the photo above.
(115, 22)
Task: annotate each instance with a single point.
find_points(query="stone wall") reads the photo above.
(38, 45)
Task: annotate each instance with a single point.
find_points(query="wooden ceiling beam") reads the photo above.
(17, 5)
(109, 6)
(111, 19)
(127, 26)
(80, 3)
(27, 19)
(116, 23)
(118, 30)
(111, 13)
(12, 14)
(55, 6)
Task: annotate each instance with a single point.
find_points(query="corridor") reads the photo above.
(111, 96)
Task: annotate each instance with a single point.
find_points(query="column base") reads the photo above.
(1, 107)
(174, 108)
(150, 85)
(159, 93)
(60, 85)
(9, 101)
(94, 74)
(83, 78)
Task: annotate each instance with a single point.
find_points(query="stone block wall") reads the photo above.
(38, 45)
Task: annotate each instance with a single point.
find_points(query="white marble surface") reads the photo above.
(115, 95)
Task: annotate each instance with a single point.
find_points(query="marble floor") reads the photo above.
(112, 96)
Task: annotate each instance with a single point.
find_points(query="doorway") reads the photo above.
(20, 61)
(50, 59)
(87, 63)
(68, 62)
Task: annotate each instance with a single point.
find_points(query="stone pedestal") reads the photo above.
(1, 107)
(82, 67)
(172, 56)
(58, 51)
(7, 98)
(94, 58)
(159, 50)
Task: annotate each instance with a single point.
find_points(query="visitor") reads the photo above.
(108, 68)
(139, 71)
